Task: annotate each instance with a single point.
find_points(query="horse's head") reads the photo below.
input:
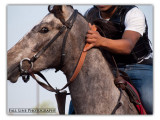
(38, 37)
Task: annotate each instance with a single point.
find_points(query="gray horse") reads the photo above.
(93, 91)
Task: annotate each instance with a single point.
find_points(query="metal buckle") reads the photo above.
(25, 73)
(21, 65)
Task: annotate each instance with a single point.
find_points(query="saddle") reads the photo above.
(122, 82)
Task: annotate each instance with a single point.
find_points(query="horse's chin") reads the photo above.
(13, 76)
(13, 79)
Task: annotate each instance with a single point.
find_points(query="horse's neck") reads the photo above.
(93, 85)
(95, 66)
(96, 71)
(93, 91)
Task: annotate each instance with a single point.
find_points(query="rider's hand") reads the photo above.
(93, 38)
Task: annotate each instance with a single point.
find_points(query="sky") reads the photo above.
(20, 20)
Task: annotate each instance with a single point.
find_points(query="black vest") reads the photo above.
(142, 47)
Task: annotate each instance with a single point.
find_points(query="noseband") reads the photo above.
(25, 73)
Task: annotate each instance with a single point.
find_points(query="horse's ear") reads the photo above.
(59, 8)
(62, 12)
(56, 9)
(67, 11)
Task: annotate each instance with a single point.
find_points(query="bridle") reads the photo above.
(26, 73)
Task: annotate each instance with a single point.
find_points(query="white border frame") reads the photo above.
(156, 44)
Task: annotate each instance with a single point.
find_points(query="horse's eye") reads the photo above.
(44, 30)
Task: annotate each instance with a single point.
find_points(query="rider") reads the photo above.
(132, 51)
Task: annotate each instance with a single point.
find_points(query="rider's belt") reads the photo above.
(147, 61)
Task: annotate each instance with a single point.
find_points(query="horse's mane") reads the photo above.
(108, 29)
